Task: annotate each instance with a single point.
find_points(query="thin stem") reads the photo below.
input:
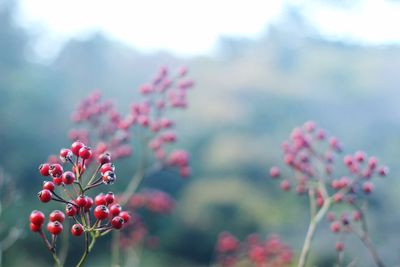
(311, 230)
(115, 249)
(88, 248)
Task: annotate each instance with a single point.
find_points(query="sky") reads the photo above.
(190, 27)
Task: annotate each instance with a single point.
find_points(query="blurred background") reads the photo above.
(260, 69)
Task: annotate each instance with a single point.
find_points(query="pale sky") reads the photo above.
(190, 27)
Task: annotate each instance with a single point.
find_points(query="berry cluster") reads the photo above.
(311, 155)
(94, 218)
(271, 252)
(109, 130)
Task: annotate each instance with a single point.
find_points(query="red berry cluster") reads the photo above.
(308, 151)
(271, 252)
(111, 129)
(95, 217)
(312, 157)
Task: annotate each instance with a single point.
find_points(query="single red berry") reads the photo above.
(125, 215)
(48, 185)
(35, 227)
(357, 216)
(335, 227)
(110, 197)
(77, 229)
(89, 203)
(57, 216)
(65, 155)
(383, 171)
(100, 199)
(338, 197)
(109, 177)
(76, 146)
(101, 212)
(57, 180)
(372, 162)
(68, 177)
(330, 216)
(368, 187)
(44, 169)
(115, 209)
(107, 167)
(339, 246)
(81, 201)
(56, 170)
(45, 195)
(54, 228)
(285, 185)
(104, 158)
(37, 217)
(275, 172)
(85, 152)
(71, 210)
(117, 222)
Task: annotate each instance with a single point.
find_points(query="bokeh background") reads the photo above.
(260, 68)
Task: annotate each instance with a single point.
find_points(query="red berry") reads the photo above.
(100, 199)
(85, 152)
(383, 171)
(285, 185)
(357, 216)
(368, 187)
(275, 172)
(57, 216)
(125, 215)
(110, 197)
(115, 209)
(77, 229)
(45, 195)
(68, 177)
(44, 169)
(109, 177)
(101, 212)
(104, 158)
(56, 170)
(335, 227)
(76, 146)
(65, 154)
(57, 180)
(48, 185)
(37, 217)
(107, 167)
(81, 201)
(71, 210)
(54, 228)
(89, 203)
(339, 246)
(117, 222)
(34, 227)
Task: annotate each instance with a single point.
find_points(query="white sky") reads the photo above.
(190, 27)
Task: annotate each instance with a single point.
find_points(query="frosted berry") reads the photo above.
(54, 228)
(117, 222)
(68, 177)
(45, 195)
(57, 216)
(101, 212)
(44, 169)
(76, 146)
(77, 229)
(37, 217)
